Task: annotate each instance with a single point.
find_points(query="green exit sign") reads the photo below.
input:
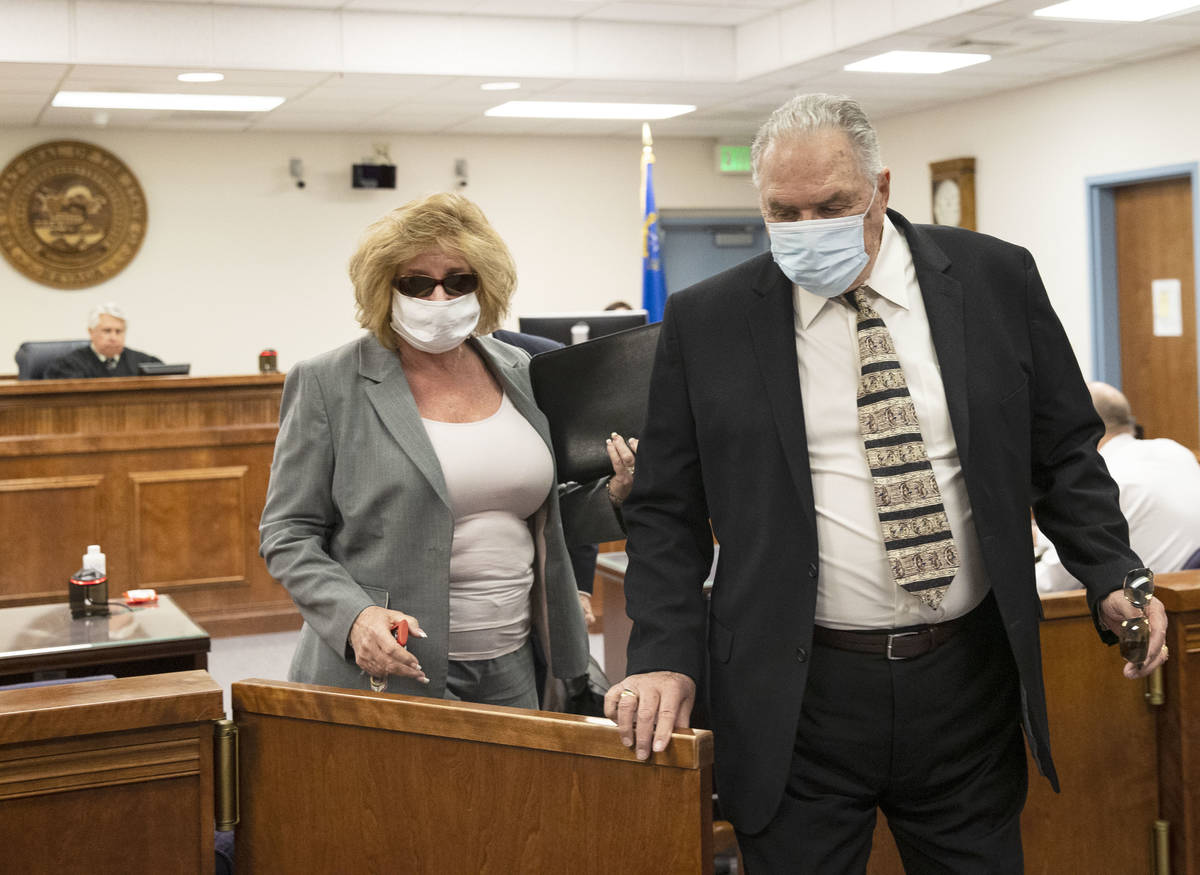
(733, 159)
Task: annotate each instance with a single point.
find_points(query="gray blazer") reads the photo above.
(357, 514)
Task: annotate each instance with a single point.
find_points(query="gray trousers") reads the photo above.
(505, 680)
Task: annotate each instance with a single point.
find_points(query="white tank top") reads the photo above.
(498, 472)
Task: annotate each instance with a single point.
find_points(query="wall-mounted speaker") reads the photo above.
(373, 176)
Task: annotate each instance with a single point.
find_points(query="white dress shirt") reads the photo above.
(1160, 497)
(856, 590)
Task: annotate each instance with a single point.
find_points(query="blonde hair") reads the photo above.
(448, 222)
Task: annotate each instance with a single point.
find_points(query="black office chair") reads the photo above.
(34, 356)
(1192, 562)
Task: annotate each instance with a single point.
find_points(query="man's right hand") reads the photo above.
(647, 707)
(375, 648)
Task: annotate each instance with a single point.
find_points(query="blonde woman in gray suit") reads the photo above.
(413, 480)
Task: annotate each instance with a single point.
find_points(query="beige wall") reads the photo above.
(1034, 149)
(236, 258)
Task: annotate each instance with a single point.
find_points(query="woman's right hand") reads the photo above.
(376, 650)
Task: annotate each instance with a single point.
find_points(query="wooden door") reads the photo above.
(1154, 242)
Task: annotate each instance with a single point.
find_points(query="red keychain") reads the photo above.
(400, 631)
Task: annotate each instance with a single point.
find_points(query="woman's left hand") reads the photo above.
(622, 455)
(585, 605)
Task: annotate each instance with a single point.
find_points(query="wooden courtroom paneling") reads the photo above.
(398, 783)
(1103, 738)
(167, 551)
(167, 474)
(109, 776)
(27, 505)
(1179, 721)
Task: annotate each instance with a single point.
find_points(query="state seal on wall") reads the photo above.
(72, 215)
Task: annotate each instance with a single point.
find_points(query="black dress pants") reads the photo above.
(933, 742)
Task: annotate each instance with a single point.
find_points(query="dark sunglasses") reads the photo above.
(422, 286)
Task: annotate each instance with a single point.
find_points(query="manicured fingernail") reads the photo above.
(659, 746)
(419, 633)
(614, 434)
(641, 754)
(423, 680)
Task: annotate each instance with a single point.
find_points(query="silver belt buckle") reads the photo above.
(893, 636)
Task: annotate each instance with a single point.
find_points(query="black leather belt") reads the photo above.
(890, 643)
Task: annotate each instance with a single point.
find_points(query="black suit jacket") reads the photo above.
(83, 362)
(725, 440)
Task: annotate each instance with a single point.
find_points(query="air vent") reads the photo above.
(221, 117)
(983, 47)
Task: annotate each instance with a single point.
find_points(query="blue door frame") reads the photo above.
(1102, 256)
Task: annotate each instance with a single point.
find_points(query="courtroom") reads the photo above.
(600, 436)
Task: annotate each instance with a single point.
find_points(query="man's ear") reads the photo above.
(885, 186)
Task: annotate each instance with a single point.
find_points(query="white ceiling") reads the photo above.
(416, 65)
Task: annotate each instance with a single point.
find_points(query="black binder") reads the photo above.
(591, 389)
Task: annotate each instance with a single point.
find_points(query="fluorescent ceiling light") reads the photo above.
(195, 102)
(916, 62)
(200, 77)
(570, 109)
(1115, 10)
(500, 86)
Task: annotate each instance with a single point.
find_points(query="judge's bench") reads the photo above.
(167, 474)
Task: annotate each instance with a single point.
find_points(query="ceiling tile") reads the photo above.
(21, 76)
(345, 69)
(432, 7)
(143, 33)
(671, 13)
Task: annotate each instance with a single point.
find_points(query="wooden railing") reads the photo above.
(343, 781)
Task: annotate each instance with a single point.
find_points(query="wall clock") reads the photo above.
(953, 192)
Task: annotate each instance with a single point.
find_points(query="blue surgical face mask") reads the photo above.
(822, 256)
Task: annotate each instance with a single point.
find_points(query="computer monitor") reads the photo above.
(568, 328)
(162, 369)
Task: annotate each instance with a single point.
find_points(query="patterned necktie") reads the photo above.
(916, 533)
(110, 364)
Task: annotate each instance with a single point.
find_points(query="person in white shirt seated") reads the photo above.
(1160, 494)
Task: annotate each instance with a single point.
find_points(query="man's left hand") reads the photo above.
(1115, 607)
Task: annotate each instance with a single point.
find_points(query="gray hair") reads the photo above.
(108, 308)
(806, 113)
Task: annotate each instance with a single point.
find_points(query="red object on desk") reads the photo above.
(140, 596)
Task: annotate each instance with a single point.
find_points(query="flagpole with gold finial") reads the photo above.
(647, 158)
(654, 291)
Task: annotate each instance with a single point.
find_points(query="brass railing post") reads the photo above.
(1156, 695)
(225, 756)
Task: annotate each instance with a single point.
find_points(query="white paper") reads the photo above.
(1168, 309)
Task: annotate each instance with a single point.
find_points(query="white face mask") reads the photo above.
(434, 326)
(822, 256)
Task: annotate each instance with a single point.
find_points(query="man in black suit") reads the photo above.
(867, 462)
(106, 355)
